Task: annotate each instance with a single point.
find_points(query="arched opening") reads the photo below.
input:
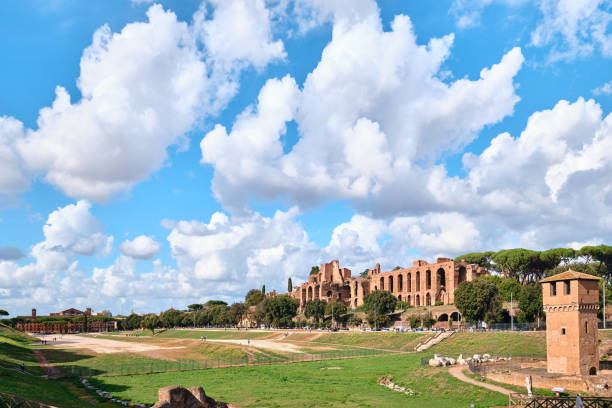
(428, 279)
(310, 293)
(592, 371)
(408, 300)
(400, 282)
(391, 283)
(443, 317)
(440, 278)
(356, 287)
(399, 298)
(375, 287)
(455, 316)
(462, 276)
(440, 295)
(418, 282)
(409, 282)
(317, 292)
(427, 300)
(339, 295)
(382, 283)
(417, 299)
(355, 302)
(329, 293)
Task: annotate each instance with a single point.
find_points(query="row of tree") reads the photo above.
(525, 265)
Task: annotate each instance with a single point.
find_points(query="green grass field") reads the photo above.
(15, 349)
(528, 344)
(338, 383)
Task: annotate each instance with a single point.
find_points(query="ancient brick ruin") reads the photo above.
(421, 285)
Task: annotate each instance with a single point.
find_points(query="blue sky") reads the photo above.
(196, 149)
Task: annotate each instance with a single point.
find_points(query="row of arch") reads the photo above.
(440, 281)
(455, 317)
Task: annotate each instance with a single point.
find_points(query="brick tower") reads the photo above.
(571, 301)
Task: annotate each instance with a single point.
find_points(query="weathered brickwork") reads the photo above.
(571, 301)
(421, 285)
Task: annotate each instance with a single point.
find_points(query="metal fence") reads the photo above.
(161, 366)
(13, 401)
(521, 400)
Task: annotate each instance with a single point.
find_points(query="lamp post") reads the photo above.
(511, 317)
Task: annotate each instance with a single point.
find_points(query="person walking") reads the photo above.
(579, 403)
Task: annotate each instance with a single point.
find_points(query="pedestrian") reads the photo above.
(22, 367)
(579, 403)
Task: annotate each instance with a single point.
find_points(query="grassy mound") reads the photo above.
(339, 383)
(526, 344)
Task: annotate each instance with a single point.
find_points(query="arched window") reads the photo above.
(409, 282)
(400, 282)
(417, 299)
(418, 282)
(391, 283)
(462, 276)
(440, 278)
(382, 283)
(427, 300)
(428, 279)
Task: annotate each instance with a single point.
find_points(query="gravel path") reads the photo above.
(457, 372)
(105, 346)
(52, 371)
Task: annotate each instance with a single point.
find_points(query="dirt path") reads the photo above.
(107, 346)
(52, 371)
(457, 372)
(264, 344)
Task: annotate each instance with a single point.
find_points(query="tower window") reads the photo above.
(553, 289)
(586, 327)
(563, 331)
(567, 287)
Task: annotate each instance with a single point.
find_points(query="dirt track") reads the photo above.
(104, 346)
(264, 344)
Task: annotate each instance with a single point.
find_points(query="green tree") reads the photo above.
(316, 309)
(84, 326)
(337, 308)
(602, 254)
(314, 270)
(254, 297)
(506, 286)
(481, 258)
(378, 305)
(151, 321)
(237, 311)
(530, 303)
(397, 268)
(354, 321)
(3, 312)
(289, 286)
(280, 310)
(194, 307)
(428, 321)
(263, 289)
(478, 300)
(524, 265)
(364, 274)
(381, 301)
(215, 303)
(415, 321)
(553, 257)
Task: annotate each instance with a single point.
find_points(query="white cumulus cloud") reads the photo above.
(141, 247)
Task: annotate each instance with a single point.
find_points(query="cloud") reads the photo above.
(14, 179)
(10, 253)
(69, 231)
(468, 13)
(141, 247)
(605, 89)
(551, 184)
(239, 32)
(574, 28)
(372, 109)
(142, 89)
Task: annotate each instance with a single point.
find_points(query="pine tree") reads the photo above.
(289, 286)
(263, 290)
(84, 324)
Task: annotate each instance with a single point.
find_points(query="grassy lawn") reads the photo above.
(15, 349)
(348, 383)
(529, 344)
(380, 340)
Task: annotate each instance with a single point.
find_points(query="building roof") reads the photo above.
(568, 275)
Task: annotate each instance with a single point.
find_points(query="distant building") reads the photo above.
(64, 322)
(571, 301)
(423, 284)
